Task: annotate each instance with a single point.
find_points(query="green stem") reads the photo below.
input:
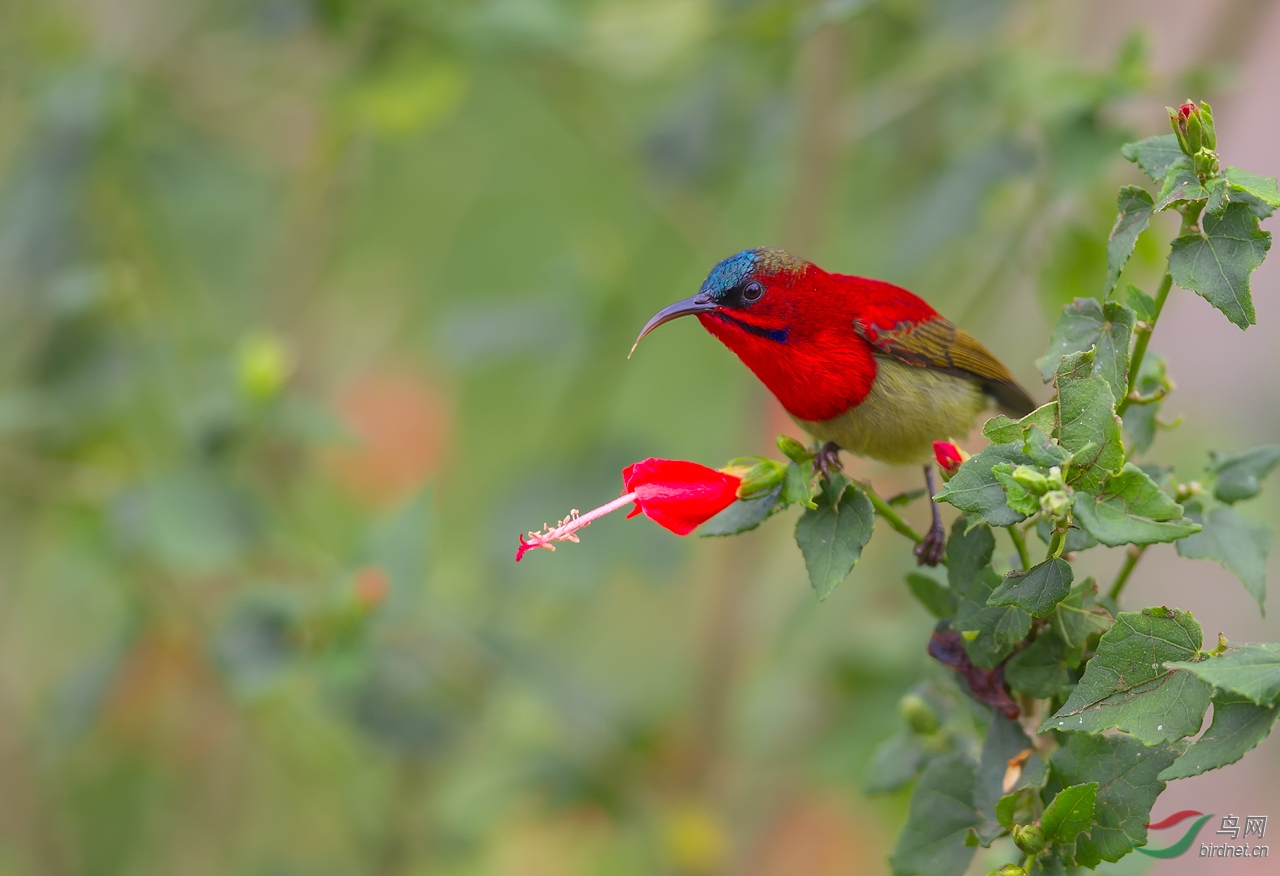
(1056, 544)
(1122, 577)
(1021, 544)
(1189, 221)
(884, 510)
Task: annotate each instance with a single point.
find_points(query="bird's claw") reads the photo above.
(930, 551)
(827, 460)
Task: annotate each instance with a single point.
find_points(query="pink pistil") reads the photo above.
(565, 529)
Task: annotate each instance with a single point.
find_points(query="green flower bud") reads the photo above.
(1009, 870)
(1055, 478)
(1031, 479)
(1205, 163)
(1056, 504)
(1029, 838)
(263, 366)
(1207, 133)
(917, 712)
(759, 475)
(793, 449)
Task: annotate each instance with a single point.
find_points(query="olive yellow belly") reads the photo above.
(907, 409)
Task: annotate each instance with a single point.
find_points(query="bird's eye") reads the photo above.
(752, 291)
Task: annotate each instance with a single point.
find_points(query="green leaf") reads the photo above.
(797, 486)
(1016, 496)
(1251, 670)
(1005, 740)
(1043, 450)
(932, 842)
(1154, 155)
(1216, 263)
(1235, 542)
(1086, 415)
(1140, 420)
(993, 631)
(974, 487)
(1086, 324)
(1078, 618)
(1070, 812)
(1126, 773)
(1036, 590)
(935, 596)
(1131, 509)
(1127, 686)
(1002, 430)
(1260, 188)
(894, 763)
(1039, 669)
(743, 515)
(832, 536)
(1180, 184)
(1144, 306)
(1238, 726)
(1239, 475)
(1135, 208)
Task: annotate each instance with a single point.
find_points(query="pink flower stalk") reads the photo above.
(675, 494)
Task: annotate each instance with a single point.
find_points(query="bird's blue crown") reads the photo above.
(741, 267)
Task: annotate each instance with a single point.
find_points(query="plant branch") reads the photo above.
(1122, 577)
(1020, 543)
(885, 511)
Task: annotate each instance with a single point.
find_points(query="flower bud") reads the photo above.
(1031, 479)
(1009, 870)
(1185, 121)
(1029, 838)
(917, 712)
(1056, 504)
(793, 449)
(759, 475)
(1055, 478)
(949, 457)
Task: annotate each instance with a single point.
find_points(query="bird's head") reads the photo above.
(748, 300)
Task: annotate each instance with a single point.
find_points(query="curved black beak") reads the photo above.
(700, 303)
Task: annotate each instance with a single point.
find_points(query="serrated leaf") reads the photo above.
(1078, 618)
(894, 763)
(1086, 324)
(1140, 420)
(742, 516)
(1131, 509)
(1233, 541)
(1039, 669)
(995, 631)
(1154, 155)
(932, 842)
(1016, 496)
(1134, 208)
(1086, 415)
(1180, 184)
(975, 488)
(831, 537)
(1216, 263)
(1142, 304)
(797, 486)
(1005, 740)
(1126, 773)
(1251, 670)
(1238, 726)
(1037, 590)
(1260, 188)
(1070, 812)
(1127, 686)
(935, 596)
(1043, 450)
(1239, 475)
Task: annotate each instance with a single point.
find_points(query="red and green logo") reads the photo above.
(1188, 838)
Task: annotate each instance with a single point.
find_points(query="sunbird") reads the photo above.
(861, 365)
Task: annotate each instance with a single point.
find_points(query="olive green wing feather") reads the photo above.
(937, 344)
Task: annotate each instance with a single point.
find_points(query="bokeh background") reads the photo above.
(308, 307)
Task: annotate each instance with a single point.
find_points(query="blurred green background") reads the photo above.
(310, 306)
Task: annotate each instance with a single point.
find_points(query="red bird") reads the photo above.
(859, 364)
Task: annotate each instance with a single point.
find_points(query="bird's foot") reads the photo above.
(827, 460)
(931, 551)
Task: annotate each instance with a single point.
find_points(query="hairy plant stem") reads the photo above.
(1020, 543)
(885, 510)
(1189, 223)
(1122, 577)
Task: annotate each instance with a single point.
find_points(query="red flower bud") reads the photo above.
(1186, 109)
(677, 495)
(949, 456)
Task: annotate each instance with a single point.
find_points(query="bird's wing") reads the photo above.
(939, 345)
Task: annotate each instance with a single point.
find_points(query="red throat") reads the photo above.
(823, 367)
